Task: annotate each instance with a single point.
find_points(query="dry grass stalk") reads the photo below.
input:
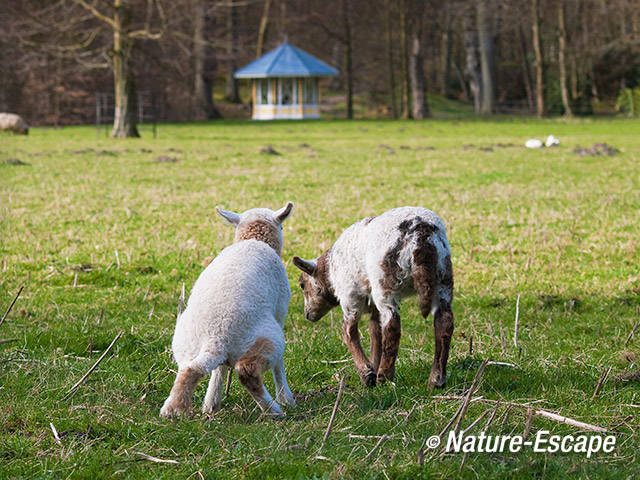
(527, 425)
(603, 378)
(632, 333)
(376, 447)
(6, 314)
(470, 392)
(335, 410)
(95, 365)
(539, 412)
(156, 459)
(56, 437)
(515, 332)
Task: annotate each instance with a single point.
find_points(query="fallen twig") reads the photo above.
(8, 340)
(515, 332)
(539, 412)
(56, 437)
(527, 425)
(503, 364)
(376, 447)
(11, 306)
(335, 362)
(90, 371)
(632, 333)
(335, 410)
(603, 378)
(156, 459)
(470, 392)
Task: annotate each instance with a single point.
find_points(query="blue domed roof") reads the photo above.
(286, 61)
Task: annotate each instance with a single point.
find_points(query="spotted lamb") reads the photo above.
(370, 268)
(235, 317)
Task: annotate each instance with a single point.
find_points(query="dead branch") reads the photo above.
(515, 333)
(470, 392)
(376, 447)
(90, 371)
(156, 459)
(603, 378)
(335, 410)
(12, 304)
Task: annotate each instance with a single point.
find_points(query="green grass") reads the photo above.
(558, 229)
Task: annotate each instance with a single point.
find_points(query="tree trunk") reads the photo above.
(471, 54)
(337, 56)
(404, 52)
(124, 118)
(416, 68)
(204, 65)
(392, 80)
(487, 59)
(562, 39)
(262, 31)
(232, 53)
(348, 56)
(526, 71)
(445, 51)
(537, 48)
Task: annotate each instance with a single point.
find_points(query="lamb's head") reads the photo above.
(315, 283)
(259, 224)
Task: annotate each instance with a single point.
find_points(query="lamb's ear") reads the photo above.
(307, 266)
(282, 214)
(232, 218)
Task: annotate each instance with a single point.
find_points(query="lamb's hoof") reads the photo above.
(210, 409)
(384, 375)
(368, 377)
(437, 379)
(171, 409)
(275, 411)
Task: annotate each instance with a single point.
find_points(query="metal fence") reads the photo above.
(146, 111)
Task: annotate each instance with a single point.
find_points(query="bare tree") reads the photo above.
(420, 107)
(117, 16)
(562, 45)
(204, 62)
(232, 94)
(471, 55)
(390, 66)
(537, 48)
(487, 57)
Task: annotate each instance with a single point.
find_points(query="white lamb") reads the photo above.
(369, 269)
(235, 317)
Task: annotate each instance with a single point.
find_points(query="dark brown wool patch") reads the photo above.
(322, 277)
(253, 364)
(367, 221)
(425, 254)
(261, 231)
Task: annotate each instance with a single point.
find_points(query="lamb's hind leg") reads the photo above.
(179, 400)
(250, 369)
(443, 329)
(283, 392)
(391, 331)
(351, 336)
(375, 338)
(213, 397)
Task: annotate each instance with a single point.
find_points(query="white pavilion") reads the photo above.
(284, 84)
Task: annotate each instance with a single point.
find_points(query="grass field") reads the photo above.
(103, 236)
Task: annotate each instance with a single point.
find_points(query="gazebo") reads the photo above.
(284, 83)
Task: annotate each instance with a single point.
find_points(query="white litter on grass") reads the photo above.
(535, 143)
(551, 141)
